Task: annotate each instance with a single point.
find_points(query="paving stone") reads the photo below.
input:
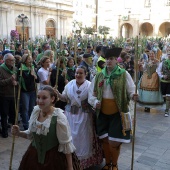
(162, 166)
(147, 160)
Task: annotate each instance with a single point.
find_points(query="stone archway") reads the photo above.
(126, 30)
(50, 29)
(164, 29)
(22, 31)
(146, 29)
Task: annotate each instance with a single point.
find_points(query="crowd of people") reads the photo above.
(72, 106)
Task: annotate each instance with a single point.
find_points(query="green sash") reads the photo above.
(7, 69)
(21, 79)
(167, 62)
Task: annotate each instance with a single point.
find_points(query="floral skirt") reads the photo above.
(97, 157)
(54, 160)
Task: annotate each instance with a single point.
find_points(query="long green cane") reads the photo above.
(75, 49)
(134, 125)
(16, 119)
(58, 64)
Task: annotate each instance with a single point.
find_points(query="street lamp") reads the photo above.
(22, 18)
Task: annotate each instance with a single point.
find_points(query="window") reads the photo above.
(50, 23)
(167, 2)
(147, 3)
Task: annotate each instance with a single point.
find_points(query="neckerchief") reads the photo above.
(25, 68)
(71, 68)
(7, 69)
(167, 62)
(21, 79)
(116, 72)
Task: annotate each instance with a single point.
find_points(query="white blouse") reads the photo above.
(62, 129)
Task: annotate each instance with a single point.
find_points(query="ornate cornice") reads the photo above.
(52, 5)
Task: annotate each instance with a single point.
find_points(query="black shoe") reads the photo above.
(4, 134)
(147, 109)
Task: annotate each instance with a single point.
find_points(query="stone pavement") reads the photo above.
(152, 144)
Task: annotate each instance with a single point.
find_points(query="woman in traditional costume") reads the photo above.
(51, 142)
(149, 84)
(80, 117)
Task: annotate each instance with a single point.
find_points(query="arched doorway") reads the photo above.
(164, 29)
(23, 31)
(50, 29)
(126, 30)
(146, 29)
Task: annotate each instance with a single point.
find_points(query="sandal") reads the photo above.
(114, 167)
(107, 167)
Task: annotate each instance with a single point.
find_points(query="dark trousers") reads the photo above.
(7, 107)
(165, 88)
(1, 104)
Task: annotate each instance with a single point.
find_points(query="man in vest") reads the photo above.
(101, 61)
(109, 94)
(163, 71)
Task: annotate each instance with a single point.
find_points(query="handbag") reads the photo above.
(126, 121)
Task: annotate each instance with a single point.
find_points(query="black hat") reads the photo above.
(104, 49)
(6, 52)
(113, 52)
(87, 55)
(88, 46)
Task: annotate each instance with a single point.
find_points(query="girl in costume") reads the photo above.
(51, 142)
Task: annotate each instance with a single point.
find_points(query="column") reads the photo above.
(39, 24)
(7, 27)
(4, 24)
(1, 22)
(61, 27)
(35, 24)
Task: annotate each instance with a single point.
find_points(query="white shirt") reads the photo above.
(159, 70)
(43, 75)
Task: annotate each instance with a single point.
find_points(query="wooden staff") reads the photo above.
(58, 64)
(16, 118)
(134, 124)
(75, 49)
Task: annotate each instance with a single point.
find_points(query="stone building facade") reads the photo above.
(129, 18)
(50, 18)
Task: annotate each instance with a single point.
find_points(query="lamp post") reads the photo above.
(22, 18)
